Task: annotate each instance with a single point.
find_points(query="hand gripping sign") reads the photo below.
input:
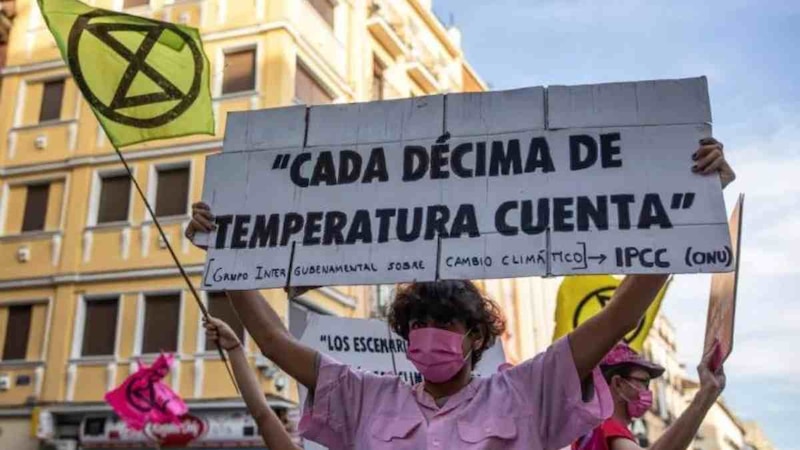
(536, 181)
(142, 398)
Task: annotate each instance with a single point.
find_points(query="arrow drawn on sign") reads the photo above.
(602, 258)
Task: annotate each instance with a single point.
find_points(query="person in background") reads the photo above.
(543, 403)
(272, 430)
(629, 375)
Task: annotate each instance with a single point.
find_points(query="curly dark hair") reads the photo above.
(444, 302)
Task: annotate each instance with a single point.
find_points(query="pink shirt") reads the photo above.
(536, 405)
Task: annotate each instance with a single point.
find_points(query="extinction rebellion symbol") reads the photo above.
(157, 108)
(594, 302)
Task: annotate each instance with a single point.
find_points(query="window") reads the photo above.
(100, 327)
(52, 96)
(239, 74)
(161, 317)
(308, 90)
(35, 208)
(134, 3)
(377, 80)
(172, 192)
(17, 330)
(114, 198)
(220, 307)
(324, 8)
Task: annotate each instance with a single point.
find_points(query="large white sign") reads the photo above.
(536, 181)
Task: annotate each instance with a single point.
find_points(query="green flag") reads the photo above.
(143, 78)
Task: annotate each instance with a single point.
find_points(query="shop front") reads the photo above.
(207, 429)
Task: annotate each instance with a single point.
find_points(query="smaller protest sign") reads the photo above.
(369, 344)
(722, 301)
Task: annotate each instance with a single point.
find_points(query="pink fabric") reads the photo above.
(143, 398)
(534, 405)
(436, 353)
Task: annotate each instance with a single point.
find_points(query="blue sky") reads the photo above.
(750, 52)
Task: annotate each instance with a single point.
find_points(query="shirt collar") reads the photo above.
(425, 399)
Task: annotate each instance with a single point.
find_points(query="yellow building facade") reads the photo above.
(87, 287)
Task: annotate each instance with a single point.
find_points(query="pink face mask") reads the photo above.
(639, 405)
(436, 353)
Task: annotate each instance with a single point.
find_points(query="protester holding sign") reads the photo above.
(271, 429)
(544, 403)
(629, 375)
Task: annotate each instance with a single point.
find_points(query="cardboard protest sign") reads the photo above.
(536, 181)
(722, 301)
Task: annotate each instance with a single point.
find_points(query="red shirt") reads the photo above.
(601, 437)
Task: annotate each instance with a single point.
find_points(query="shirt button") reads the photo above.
(487, 429)
(435, 442)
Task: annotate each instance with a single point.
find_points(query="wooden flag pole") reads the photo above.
(200, 304)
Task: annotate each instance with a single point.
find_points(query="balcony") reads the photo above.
(122, 246)
(24, 380)
(386, 23)
(30, 255)
(318, 38)
(423, 67)
(42, 142)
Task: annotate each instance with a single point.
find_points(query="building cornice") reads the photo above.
(196, 269)
(130, 155)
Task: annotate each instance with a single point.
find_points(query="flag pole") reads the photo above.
(185, 276)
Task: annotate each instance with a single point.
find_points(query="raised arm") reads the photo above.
(595, 337)
(272, 430)
(273, 339)
(261, 321)
(683, 431)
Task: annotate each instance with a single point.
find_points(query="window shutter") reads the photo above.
(17, 332)
(161, 317)
(114, 197)
(100, 327)
(134, 3)
(308, 90)
(36, 207)
(173, 192)
(239, 74)
(220, 307)
(52, 97)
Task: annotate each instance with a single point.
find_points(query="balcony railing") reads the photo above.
(23, 381)
(30, 255)
(424, 66)
(387, 23)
